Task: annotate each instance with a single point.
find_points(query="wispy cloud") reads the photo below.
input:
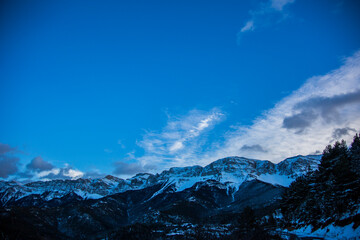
(120, 143)
(266, 14)
(249, 26)
(180, 139)
(107, 150)
(278, 5)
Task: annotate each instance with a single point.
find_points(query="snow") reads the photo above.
(183, 183)
(234, 178)
(141, 176)
(276, 179)
(161, 190)
(330, 232)
(108, 181)
(176, 233)
(86, 195)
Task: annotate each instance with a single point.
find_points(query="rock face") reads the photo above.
(232, 172)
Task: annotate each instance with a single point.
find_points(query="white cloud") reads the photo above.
(176, 146)
(108, 150)
(333, 99)
(66, 172)
(249, 26)
(42, 174)
(179, 139)
(72, 173)
(120, 142)
(267, 14)
(279, 4)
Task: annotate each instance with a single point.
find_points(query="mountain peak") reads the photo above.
(111, 178)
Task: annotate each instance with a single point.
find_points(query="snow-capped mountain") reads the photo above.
(232, 172)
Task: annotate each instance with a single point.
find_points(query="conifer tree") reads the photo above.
(329, 192)
(355, 155)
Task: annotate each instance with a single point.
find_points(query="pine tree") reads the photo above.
(297, 193)
(355, 167)
(355, 155)
(329, 192)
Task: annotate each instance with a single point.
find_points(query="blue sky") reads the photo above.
(120, 87)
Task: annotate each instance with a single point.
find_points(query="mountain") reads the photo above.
(174, 203)
(232, 172)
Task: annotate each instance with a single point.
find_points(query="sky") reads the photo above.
(89, 88)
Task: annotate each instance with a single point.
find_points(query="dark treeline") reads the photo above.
(328, 194)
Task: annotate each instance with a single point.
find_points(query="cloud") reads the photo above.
(123, 168)
(108, 150)
(127, 168)
(253, 148)
(307, 120)
(249, 26)
(120, 143)
(179, 139)
(38, 164)
(66, 172)
(328, 107)
(176, 146)
(300, 121)
(338, 133)
(37, 169)
(267, 13)
(51, 174)
(8, 165)
(5, 148)
(8, 162)
(94, 174)
(278, 5)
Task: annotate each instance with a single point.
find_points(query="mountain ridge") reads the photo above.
(231, 171)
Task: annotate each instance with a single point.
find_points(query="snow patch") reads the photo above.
(276, 179)
(330, 232)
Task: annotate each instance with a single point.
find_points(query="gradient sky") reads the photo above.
(119, 87)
